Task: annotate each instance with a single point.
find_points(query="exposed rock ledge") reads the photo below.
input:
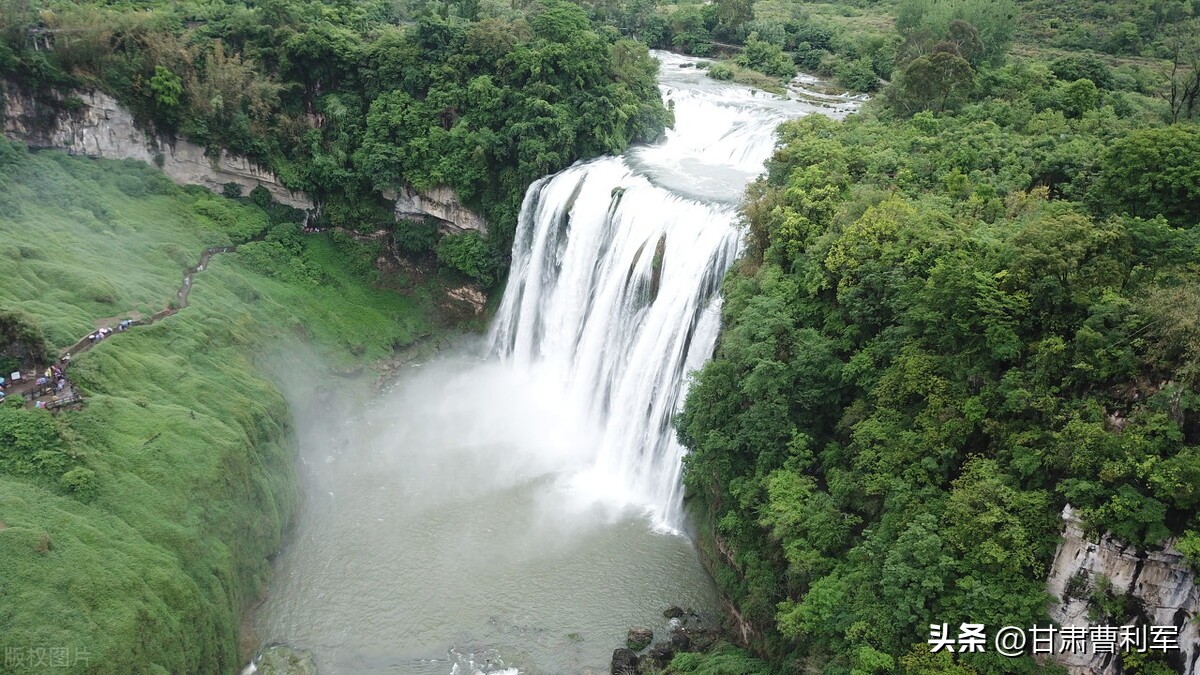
(1160, 580)
(441, 204)
(102, 128)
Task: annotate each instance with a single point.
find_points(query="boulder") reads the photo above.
(700, 639)
(639, 638)
(661, 654)
(673, 612)
(283, 660)
(624, 662)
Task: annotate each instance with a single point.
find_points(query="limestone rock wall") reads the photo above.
(1161, 580)
(103, 128)
(441, 204)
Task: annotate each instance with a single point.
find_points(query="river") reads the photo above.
(517, 512)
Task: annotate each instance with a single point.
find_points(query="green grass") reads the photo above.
(147, 566)
(874, 19)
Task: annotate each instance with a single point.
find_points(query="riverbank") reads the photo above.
(134, 531)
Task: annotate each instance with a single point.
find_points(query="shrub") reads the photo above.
(766, 58)
(260, 196)
(1083, 66)
(30, 443)
(80, 482)
(468, 253)
(720, 71)
(415, 237)
(858, 75)
(807, 58)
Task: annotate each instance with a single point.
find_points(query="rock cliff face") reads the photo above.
(441, 204)
(102, 128)
(1160, 580)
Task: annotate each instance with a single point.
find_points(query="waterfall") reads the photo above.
(617, 264)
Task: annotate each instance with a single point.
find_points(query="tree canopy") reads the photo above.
(960, 311)
(345, 100)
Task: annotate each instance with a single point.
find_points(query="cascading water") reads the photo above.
(617, 263)
(449, 523)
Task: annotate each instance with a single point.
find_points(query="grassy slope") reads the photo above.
(187, 437)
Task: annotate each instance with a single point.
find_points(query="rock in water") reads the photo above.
(673, 612)
(639, 638)
(624, 662)
(283, 660)
(680, 642)
(661, 654)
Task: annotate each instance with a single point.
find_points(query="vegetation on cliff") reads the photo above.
(135, 531)
(343, 100)
(961, 309)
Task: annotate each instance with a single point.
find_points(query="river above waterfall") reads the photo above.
(517, 512)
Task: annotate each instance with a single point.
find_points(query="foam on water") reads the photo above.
(484, 516)
(613, 295)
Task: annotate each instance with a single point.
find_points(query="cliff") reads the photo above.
(441, 204)
(102, 128)
(1161, 581)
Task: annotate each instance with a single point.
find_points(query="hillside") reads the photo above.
(136, 530)
(962, 310)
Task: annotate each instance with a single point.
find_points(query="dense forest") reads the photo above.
(967, 306)
(961, 309)
(345, 99)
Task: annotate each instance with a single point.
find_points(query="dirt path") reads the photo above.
(47, 395)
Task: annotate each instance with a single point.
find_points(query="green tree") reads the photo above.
(938, 82)
(766, 57)
(469, 254)
(930, 21)
(1152, 172)
(168, 95)
(730, 16)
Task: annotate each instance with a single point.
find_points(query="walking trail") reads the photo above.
(46, 395)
